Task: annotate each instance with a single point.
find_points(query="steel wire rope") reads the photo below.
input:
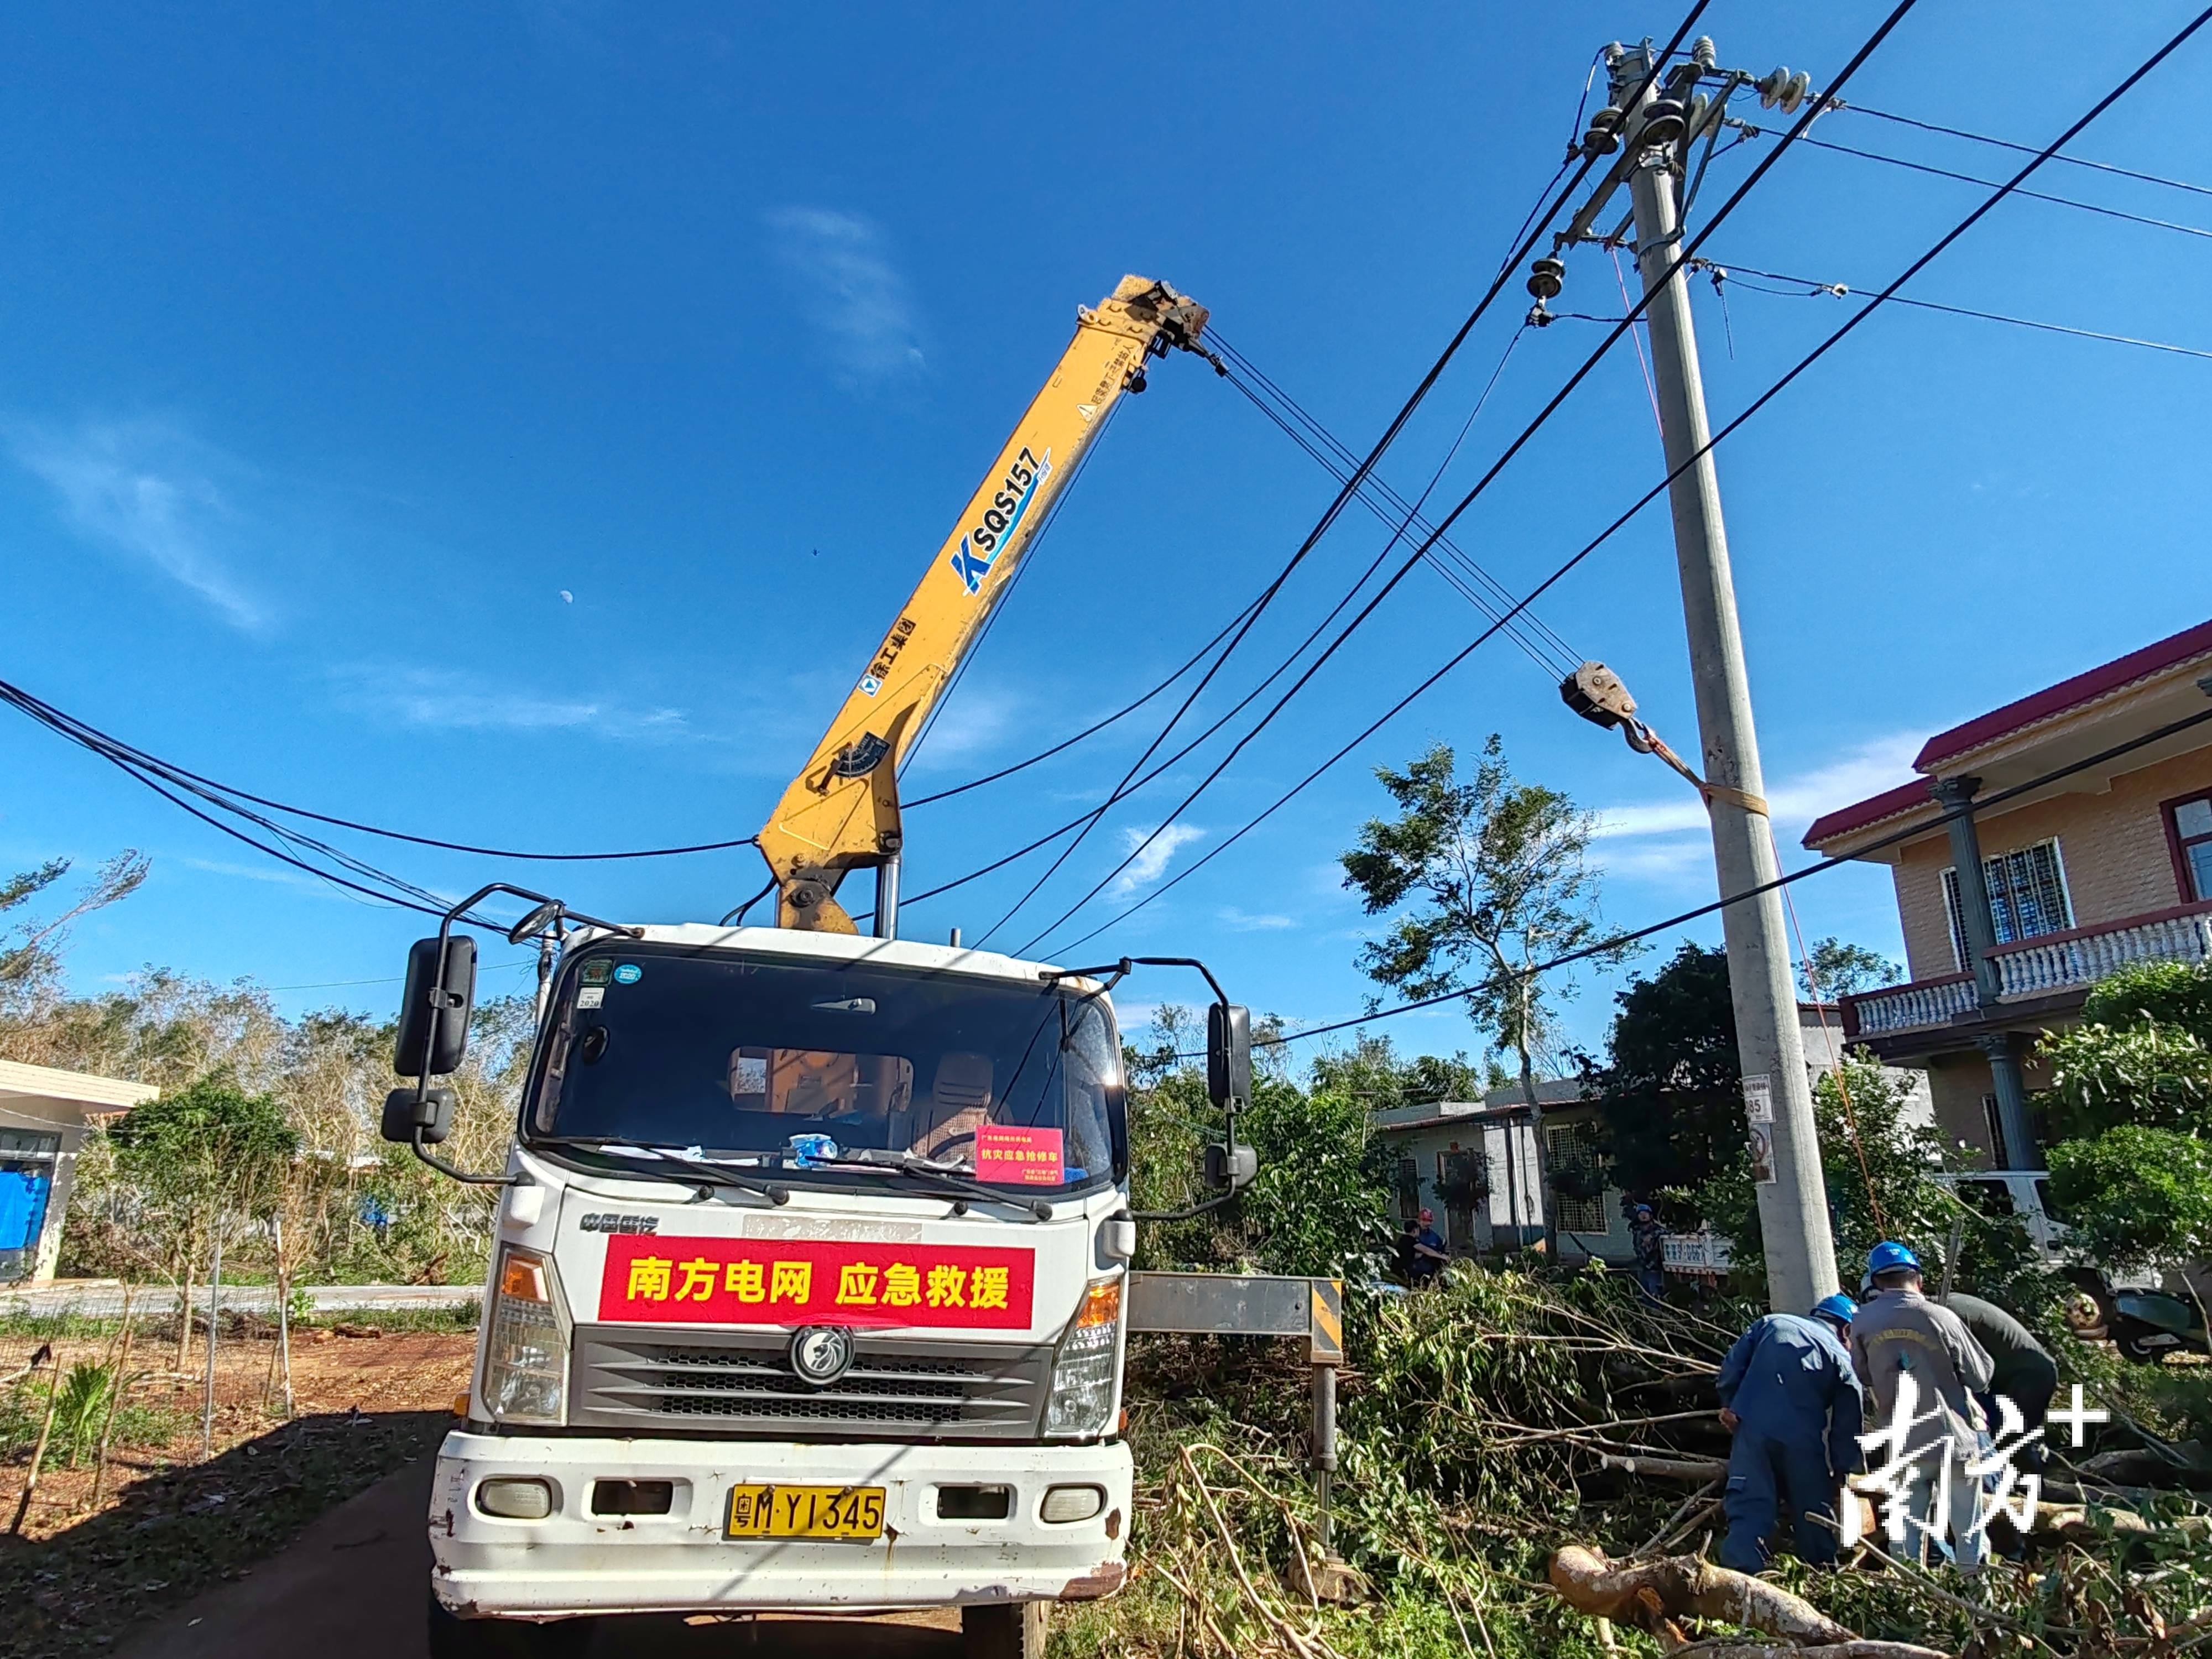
(27, 703)
(1788, 879)
(1345, 494)
(1651, 495)
(1731, 272)
(2023, 150)
(1976, 178)
(1546, 655)
(1682, 259)
(1549, 639)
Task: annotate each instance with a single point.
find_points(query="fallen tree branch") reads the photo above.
(1653, 1594)
(1700, 1469)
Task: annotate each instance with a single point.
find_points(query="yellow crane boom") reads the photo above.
(841, 811)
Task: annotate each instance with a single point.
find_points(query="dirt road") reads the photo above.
(352, 1587)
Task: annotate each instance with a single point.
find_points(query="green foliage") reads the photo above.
(201, 1158)
(1670, 1093)
(1833, 968)
(2138, 1072)
(2130, 1107)
(1498, 873)
(1881, 1181)
(2136, 1195)
(80, 1413)
(1322, 1201)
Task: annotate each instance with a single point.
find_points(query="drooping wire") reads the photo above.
(1731, 274)
(1759, 172)
(2024, 150)
(1773, 391)
(91, 736)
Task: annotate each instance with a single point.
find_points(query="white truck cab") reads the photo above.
(806, 1291)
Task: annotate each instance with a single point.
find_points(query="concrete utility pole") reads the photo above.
(1793, 1207)
(1793, 1202)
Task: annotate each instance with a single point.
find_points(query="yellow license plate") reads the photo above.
(853, 1513)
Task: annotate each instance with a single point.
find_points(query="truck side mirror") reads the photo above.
(1229, 1169)
(1228, 1052)
(404, 1116)
(435, 1009)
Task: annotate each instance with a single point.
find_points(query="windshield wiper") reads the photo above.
(714, 1175)
(916, 1165)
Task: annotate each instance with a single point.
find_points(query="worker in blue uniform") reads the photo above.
(1791, 1400)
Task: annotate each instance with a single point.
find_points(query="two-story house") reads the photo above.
(2012, 910)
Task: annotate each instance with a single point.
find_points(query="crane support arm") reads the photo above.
(842, 812)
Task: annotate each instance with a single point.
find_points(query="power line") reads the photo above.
(1660, 489)
(1975, 179)
(1732, 272)
(1329, 518)
(1528, 432)
(2023, 150)
(84, 733)
(1544, 645)
(1791, 879)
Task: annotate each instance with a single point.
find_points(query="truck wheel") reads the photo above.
(506, 1638)
(1005, 1630)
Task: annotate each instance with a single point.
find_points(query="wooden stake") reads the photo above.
(114, 1403)
(38, 1452)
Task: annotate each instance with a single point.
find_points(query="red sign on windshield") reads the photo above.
(1031, 1157)
(761, 1281)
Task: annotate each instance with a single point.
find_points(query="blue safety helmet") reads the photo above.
(1890, 1253)
(1839, 1307)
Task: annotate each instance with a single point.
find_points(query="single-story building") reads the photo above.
(1473, 1163)
(44, 1115)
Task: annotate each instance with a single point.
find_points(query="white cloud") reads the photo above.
(968, 727)
(1241, 921)
(850, 289)
(1150, 864)
(147, 491)
(1868, 769)
(456, 702)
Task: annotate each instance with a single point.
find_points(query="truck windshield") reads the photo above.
(728, 1052)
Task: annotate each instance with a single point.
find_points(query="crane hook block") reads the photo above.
(1595, 692)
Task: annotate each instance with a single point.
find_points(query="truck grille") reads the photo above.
(740, 1382)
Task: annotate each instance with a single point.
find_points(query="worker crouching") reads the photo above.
(1791, 1399)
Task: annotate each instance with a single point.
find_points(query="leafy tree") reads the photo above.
(1670, 1093)
(2130, 1107)
(1832, 969)
(201, 1160)
(1497, 875)
(1371, 1070)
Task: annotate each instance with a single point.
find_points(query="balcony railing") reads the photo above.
(1909, 1007)
(2028, 969)
(2058, 962)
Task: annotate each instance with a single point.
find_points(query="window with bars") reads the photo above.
(2190, 823)
(2027, 896)
(1577, 1179)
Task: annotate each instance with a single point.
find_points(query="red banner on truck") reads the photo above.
(760, 1281)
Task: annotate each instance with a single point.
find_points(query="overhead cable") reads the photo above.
(1345, 494)
(2023, 150)
(1733, 273)
(1750, 181)
(1613, 942)
(1656, 491)
(1975, 179)
(91, 736)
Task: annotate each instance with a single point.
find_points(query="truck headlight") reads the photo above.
(1082, 1400)
(525, 1363)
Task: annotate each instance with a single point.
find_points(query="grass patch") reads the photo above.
(460, 1316)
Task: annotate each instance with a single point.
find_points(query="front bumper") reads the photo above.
(575, 1563)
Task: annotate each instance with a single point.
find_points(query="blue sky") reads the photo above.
(518, 423)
